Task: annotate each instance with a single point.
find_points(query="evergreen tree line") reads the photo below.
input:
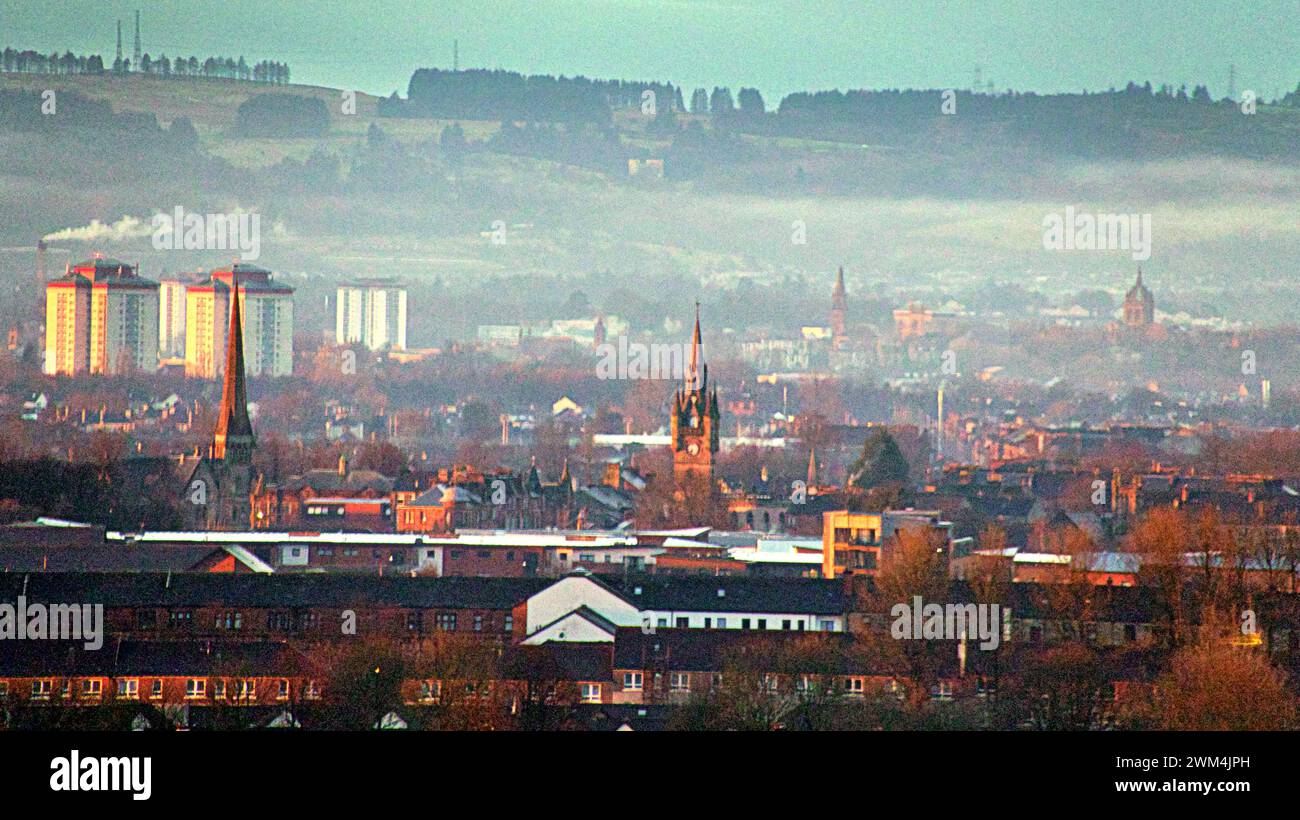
(480, 94)
(228, 68)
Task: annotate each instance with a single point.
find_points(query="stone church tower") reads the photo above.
(695, 422)
(1139, 305)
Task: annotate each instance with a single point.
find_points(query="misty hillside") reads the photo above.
(754, 195)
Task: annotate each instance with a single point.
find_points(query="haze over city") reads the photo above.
(622, 365)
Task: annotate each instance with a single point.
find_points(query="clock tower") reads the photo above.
(695, 421)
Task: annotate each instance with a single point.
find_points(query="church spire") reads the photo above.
(233, 425)
(694, 374)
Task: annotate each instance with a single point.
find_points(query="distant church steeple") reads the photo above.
(839, 310)
(233, 439)
(226, 474)
(694, 378)
(696, 418)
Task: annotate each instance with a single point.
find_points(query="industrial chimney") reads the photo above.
(42, 251)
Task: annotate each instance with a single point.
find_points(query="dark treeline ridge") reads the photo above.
(228, 68)
(505, 95)
(1116, 122)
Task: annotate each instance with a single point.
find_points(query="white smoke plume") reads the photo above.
(128, 227)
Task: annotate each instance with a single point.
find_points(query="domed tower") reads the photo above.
(695, 421)
(1139, 305)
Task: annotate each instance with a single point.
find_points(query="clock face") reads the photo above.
(693, 448)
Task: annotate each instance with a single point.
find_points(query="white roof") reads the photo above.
(576, 539)
(756, 556)
(248, 559)
(1040, 558)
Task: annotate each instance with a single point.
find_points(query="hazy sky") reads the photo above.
(776, 45)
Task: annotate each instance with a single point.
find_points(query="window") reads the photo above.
(313, 690)
(591, 693)
(155, 688)
(679, 681)
(279, 621)
(632, 681)
(246, 689)
(145, 619)
(446, 621)
(196, 688)
(414, 620)
(715, 679)
(942, 690)
(586, 556)
(744, 623)
(708, 623)
(1130, 632)
(127, 688)
(826, 626)
(785, 624)
(854, 685)
(683, 623)
(219, 689)
(282, 689)
(231, 620)
(41, 689)
(430, 690)
(478, 623)
(180, 619)
(508, 624)
(94, 687)
(722, 623)
(762, 623)
(4, 689)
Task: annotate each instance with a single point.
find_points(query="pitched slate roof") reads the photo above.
(560, 661)
(102, 557)
(707, 650)
(140, 658)
(260, 590)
